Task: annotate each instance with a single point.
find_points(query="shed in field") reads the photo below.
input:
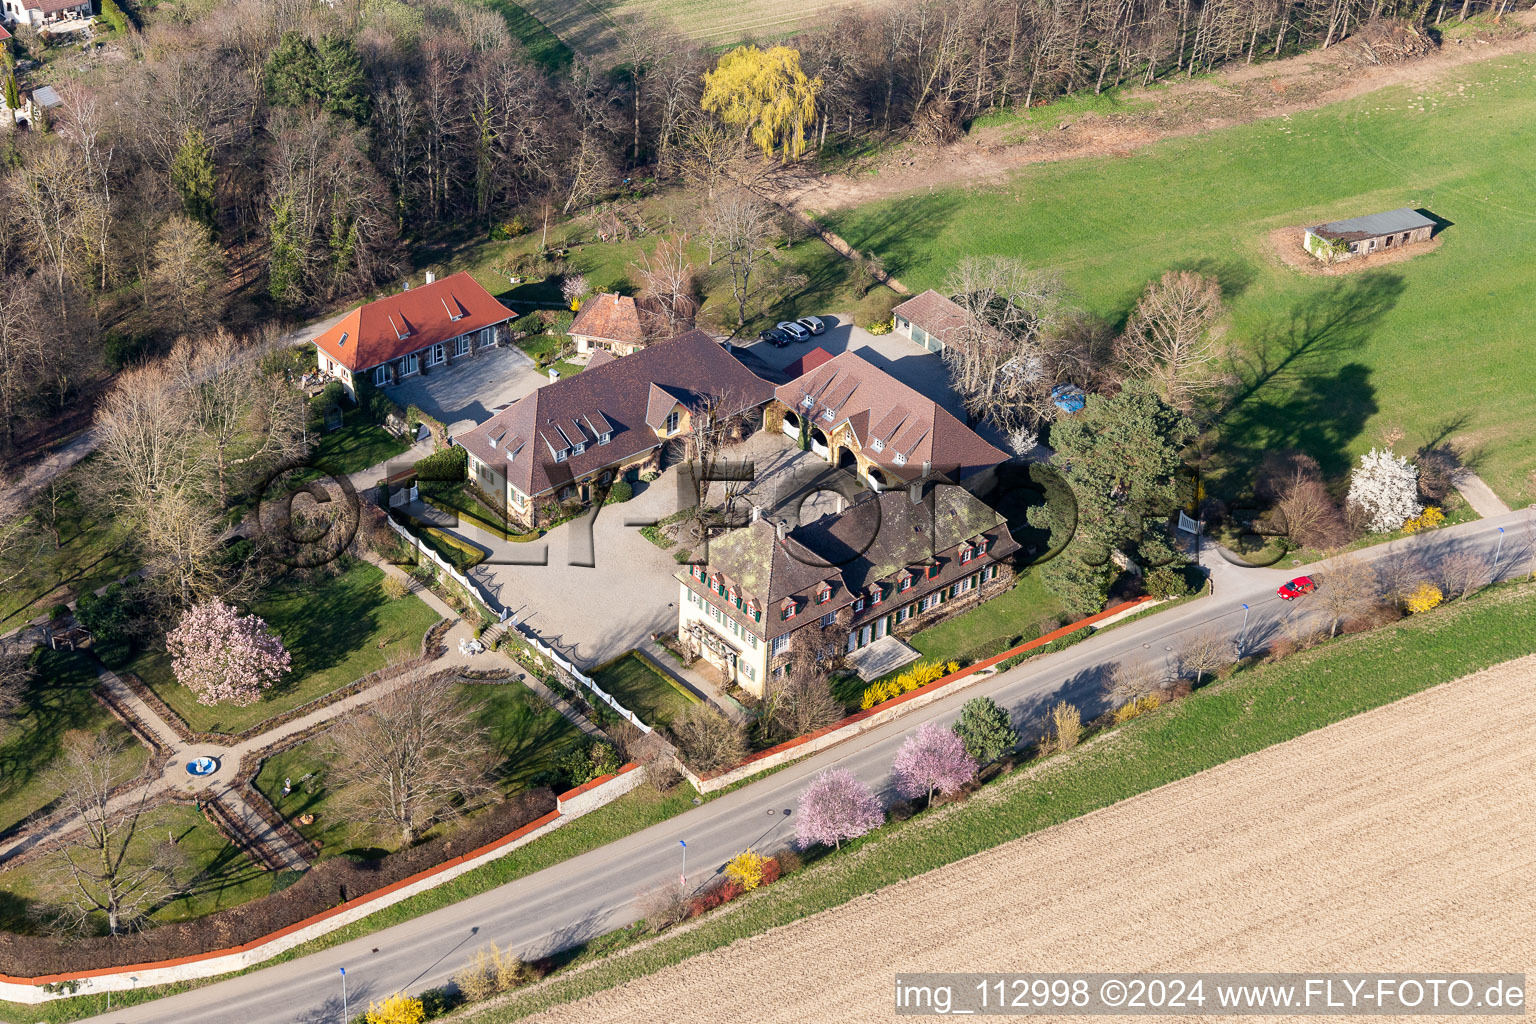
(1363, 235)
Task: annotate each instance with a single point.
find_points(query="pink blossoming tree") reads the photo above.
(933, 759)
(834, 807)
(225, 657)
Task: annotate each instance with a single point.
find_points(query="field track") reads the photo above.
(1396, 840)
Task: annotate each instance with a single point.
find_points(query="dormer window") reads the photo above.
(904, 583)
(808, 401)
(754, 611)
(858, 604)
(827, 415)
(931, 571)
(730, 595)
(877, 444)
(966, 554)
(580, 447)
(899, 459)
(824, 595)
(561, 453)
(696, 571)
(605, 437)
(790, 608)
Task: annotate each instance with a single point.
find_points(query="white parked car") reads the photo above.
(812, 324)
(794, 330)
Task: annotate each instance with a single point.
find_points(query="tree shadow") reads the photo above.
(1295, 389)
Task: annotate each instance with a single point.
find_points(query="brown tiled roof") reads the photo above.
(609, 317)
(400, 324)
(692, 368)
(937, 314)
(888, 419)
(869, 544)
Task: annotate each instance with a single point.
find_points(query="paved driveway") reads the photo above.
(593, 587)
(466, 392)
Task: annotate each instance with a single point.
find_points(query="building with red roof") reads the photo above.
(404, 334)
(857, 416)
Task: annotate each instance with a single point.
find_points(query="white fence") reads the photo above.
(539, 646)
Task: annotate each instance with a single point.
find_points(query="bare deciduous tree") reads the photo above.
(1464, 572)
(186, 276)
(669, 303)
(1129, 680)
(15, 673)
(741, 229)
(1169, 338)
(802, 701)
(1311, 517)
(1348, 587)
(709, 741)
(411, 757)
(1206, 651)
(1001, 359)
(105, 866)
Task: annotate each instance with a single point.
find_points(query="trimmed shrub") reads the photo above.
(449, 465)
(394, 587)
(885, 326)
(492, 972)
(621, 491)
(1165, 581)
(58, 613)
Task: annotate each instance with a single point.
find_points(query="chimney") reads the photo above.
(431, 277)
(780, 529)
(915, 492)
(927, 466)
(757, 513)
(615, 298)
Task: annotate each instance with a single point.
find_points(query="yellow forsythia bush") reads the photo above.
(746, 868)
(913, 678)
(1430, 518)
(1140, 706)
(397, 1009)
(1424, 597)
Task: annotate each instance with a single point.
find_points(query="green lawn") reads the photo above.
(1021, 614)
(528, 735)
(1248, 712)
(338, 629)
(1435, 345)
(93, 551)
(58, 700)
(213, 873)
(638, 685)
(356, 445)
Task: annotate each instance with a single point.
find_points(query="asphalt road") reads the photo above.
(595, 892)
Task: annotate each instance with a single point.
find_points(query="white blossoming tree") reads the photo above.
(1384, 489)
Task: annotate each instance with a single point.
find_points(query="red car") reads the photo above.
(1296, 587)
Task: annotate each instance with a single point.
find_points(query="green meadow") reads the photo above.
(1436, 345)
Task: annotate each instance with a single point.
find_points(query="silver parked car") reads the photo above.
(812, 324)
(794, 330)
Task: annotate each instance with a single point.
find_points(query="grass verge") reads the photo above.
(1249, 711)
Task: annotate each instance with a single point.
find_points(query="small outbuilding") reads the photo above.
(1361, 236)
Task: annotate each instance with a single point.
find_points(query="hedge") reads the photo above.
(323, 887)
(449, 465)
